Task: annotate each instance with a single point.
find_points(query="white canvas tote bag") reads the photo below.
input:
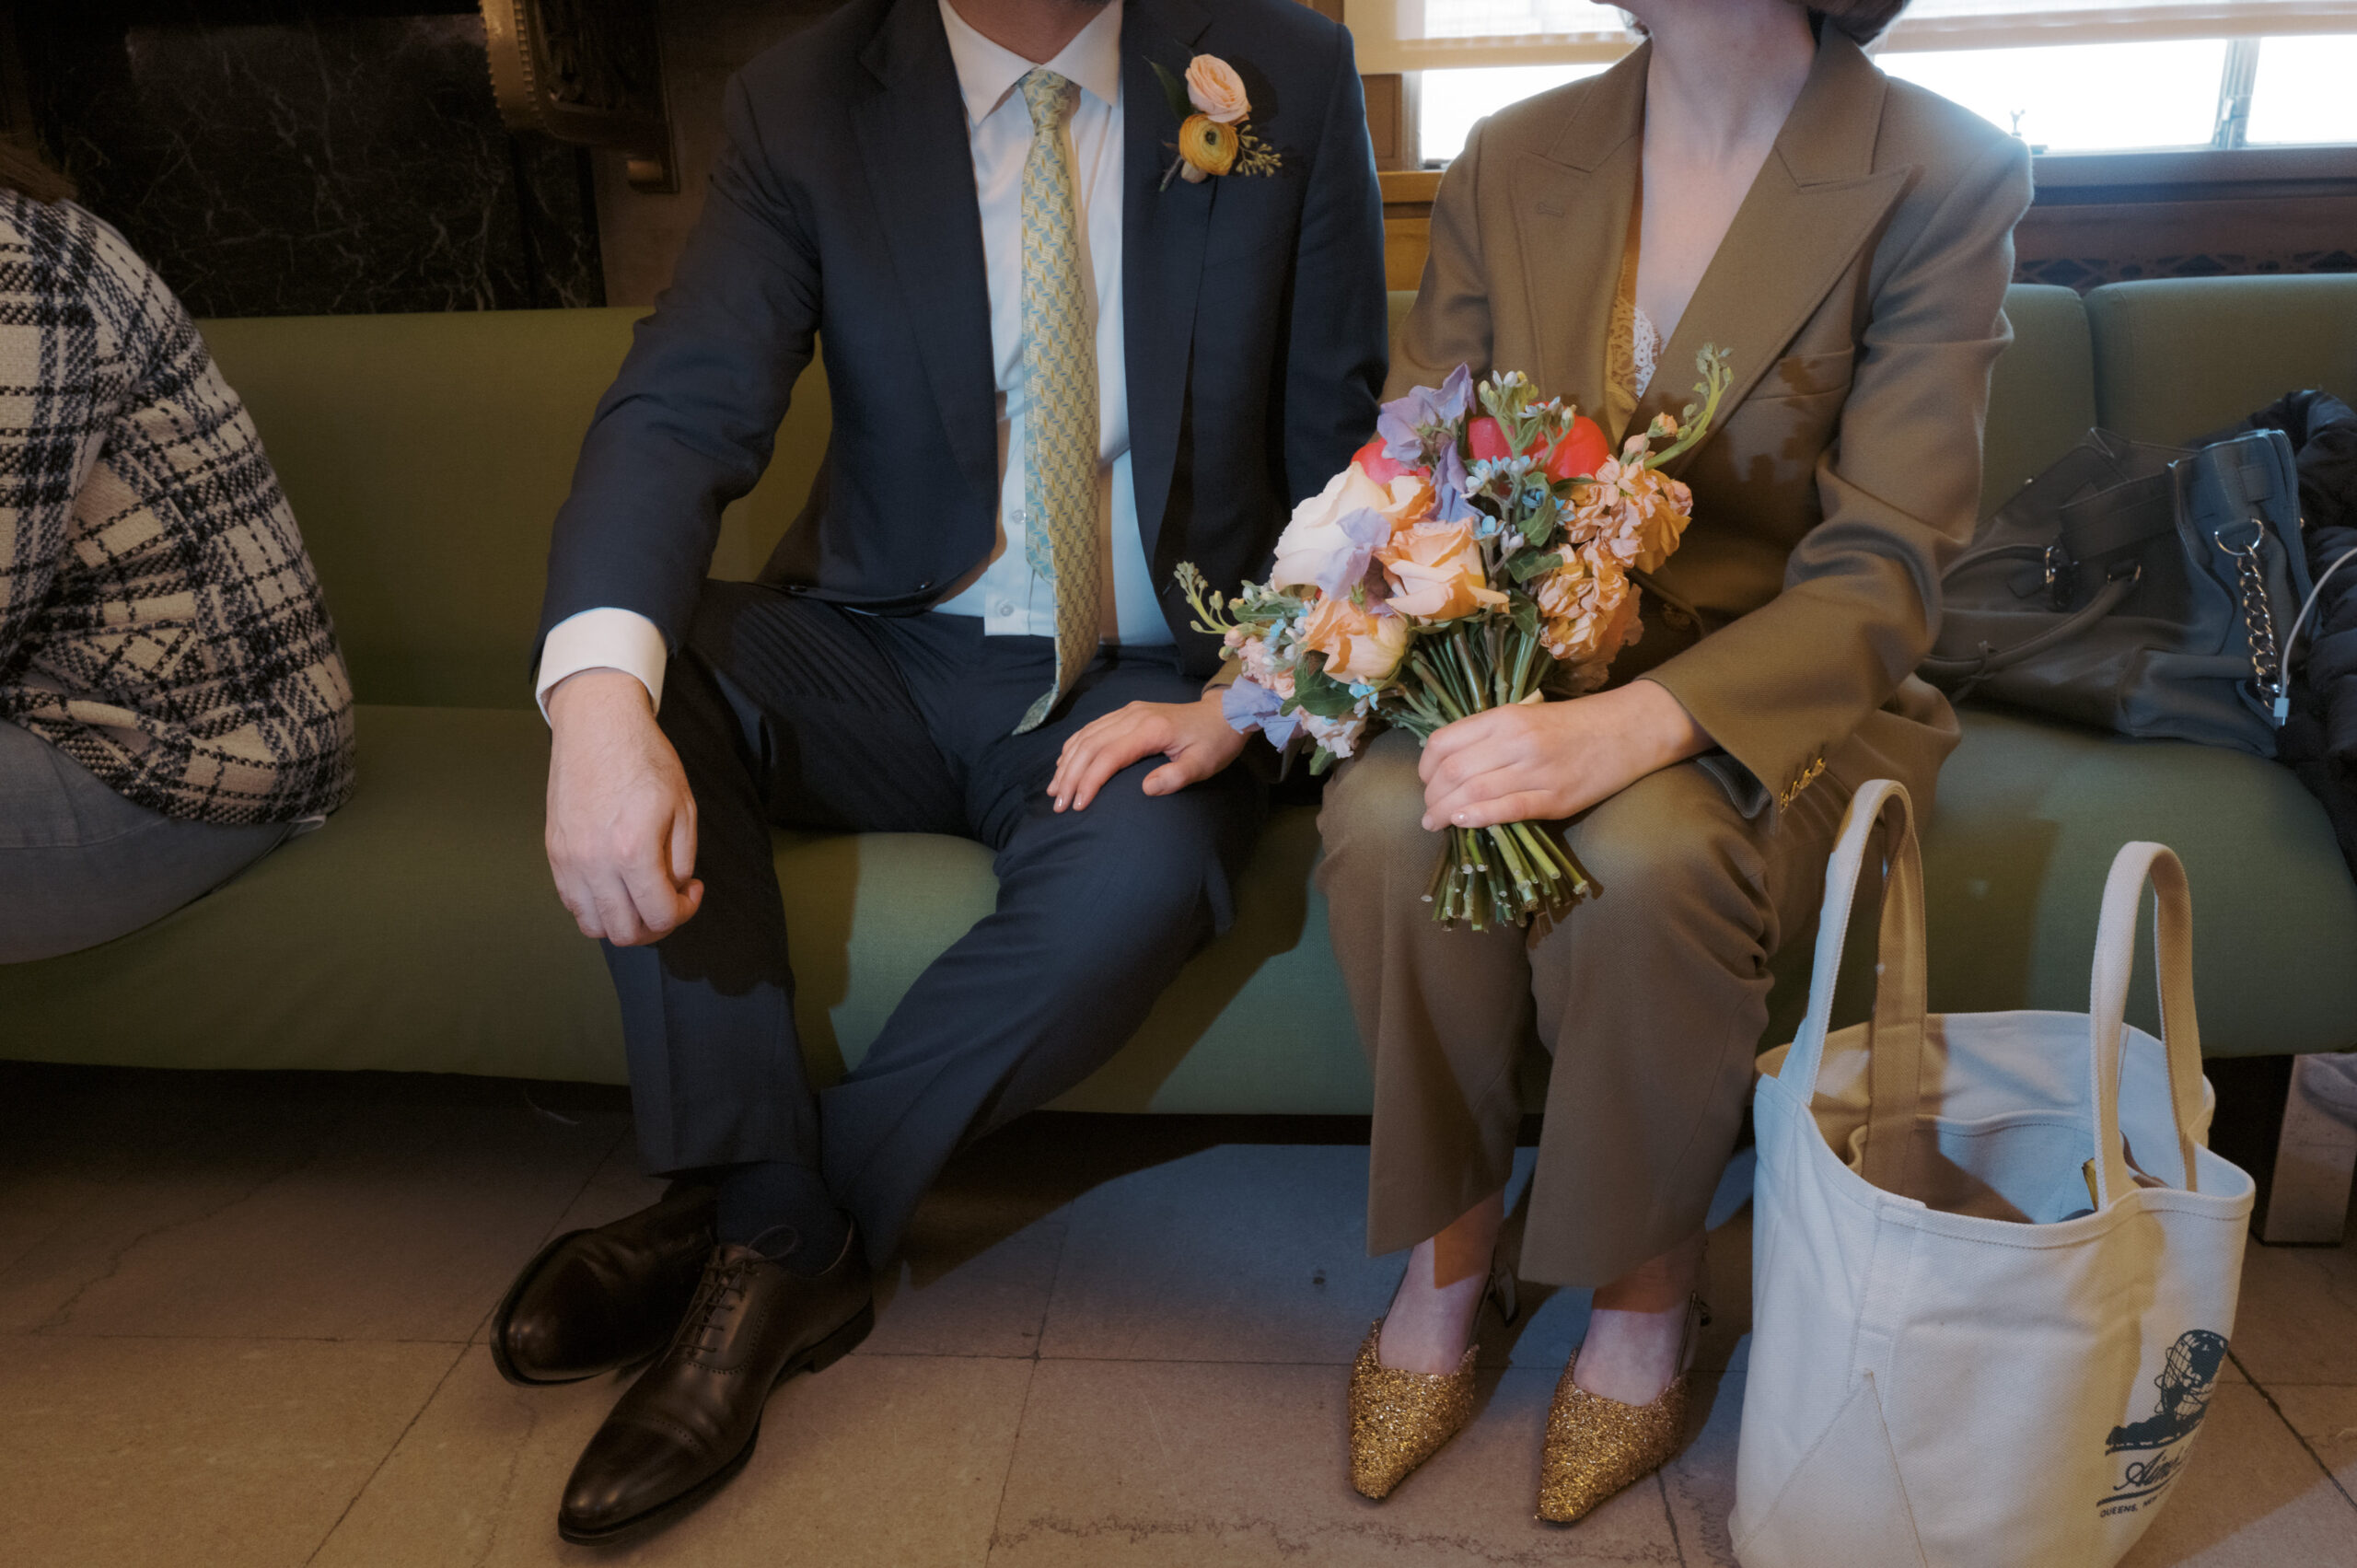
(1994, 1269)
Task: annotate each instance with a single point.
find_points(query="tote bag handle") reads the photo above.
(1895, 1039)
(2131, 868)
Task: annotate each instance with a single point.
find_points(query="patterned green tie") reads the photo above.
(1060, 402)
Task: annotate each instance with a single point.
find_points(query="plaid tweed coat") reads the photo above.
(159, 621)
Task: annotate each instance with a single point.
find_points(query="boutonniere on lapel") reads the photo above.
(1215, 123)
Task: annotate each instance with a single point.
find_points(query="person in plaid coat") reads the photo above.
(173, 701)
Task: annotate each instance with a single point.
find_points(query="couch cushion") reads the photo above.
(417, 930)
(2176, 358)
(2029, 815)
(425, 457)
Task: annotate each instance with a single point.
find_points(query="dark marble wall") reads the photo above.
(704, 43)
(311, 156)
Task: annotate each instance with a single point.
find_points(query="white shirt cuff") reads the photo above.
(606, 638)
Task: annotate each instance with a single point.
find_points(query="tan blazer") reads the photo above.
(1859, 293)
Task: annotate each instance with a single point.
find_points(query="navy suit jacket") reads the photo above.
(842, 214)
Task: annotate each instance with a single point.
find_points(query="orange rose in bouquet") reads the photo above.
(1362, 646)
(1438, 573)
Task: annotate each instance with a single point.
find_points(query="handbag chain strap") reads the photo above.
(2259, 618)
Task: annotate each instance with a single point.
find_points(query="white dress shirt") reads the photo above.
(1004, 592)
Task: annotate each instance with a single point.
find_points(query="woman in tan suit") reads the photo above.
(1747, 179)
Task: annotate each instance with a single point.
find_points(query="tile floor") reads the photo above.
(241, 1319)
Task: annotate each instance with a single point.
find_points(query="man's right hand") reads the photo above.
(622, 826)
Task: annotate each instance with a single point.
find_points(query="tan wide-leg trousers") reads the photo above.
(1651, 997)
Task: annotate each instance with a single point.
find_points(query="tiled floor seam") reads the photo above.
(1676, 1542)
(1038, 1343)
(62, 1314)
(2297, 1436)
(385, 1457)
(1006, 1477)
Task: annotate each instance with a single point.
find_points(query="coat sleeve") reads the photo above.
(1450, 323)
(1899, 489)
(1335, 346)
(690, 423)
(59, 308)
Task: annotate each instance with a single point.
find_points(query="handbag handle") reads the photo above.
(1895, 1039)
(1991, 660)
(2123, 893)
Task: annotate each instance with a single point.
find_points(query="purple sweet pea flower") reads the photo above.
(1456, 395)
(1368, 531)
(1247, 705)
(1403, 420)
(1449, 505)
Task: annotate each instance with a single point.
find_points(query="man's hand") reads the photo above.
(1550, 761)
(621, 827)
(1194, 736)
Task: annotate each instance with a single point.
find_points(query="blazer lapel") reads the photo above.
(920, 166)
(1814, 204)
(1570, 215)
(1162, 250)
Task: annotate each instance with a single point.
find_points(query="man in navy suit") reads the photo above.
(1056, 373)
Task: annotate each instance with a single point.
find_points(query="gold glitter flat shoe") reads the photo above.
(1400, 1419)
(1596, 1446)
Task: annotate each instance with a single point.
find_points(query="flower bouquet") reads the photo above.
(1463, 561)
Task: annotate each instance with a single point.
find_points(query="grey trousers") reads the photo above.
(1651, 997)
(79, 865)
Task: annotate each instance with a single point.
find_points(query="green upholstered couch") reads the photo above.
(425, 455)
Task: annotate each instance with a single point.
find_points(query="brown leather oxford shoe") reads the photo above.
(593, 1300)
(690, 1420)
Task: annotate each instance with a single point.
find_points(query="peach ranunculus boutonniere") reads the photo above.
(1214, 114)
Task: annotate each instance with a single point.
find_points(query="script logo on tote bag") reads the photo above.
(2149, 1453)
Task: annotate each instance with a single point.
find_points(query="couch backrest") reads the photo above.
(426, 454)
(2181, 357)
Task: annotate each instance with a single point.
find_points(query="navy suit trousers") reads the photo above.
(791, 712)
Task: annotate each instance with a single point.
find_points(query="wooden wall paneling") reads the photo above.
(1391, 104)
(2102, 219)
(2099, 218)
(1407, 224)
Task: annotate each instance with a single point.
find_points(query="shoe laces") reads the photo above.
(718, 1293)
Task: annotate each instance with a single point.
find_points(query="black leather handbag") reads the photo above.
(2136, 587)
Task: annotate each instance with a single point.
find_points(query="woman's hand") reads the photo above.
(1195, 736)
(1548, 760)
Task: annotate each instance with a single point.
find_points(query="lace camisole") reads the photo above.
(1634, 345)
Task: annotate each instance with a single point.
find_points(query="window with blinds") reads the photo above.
(1416, 35)
(2079, 75)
